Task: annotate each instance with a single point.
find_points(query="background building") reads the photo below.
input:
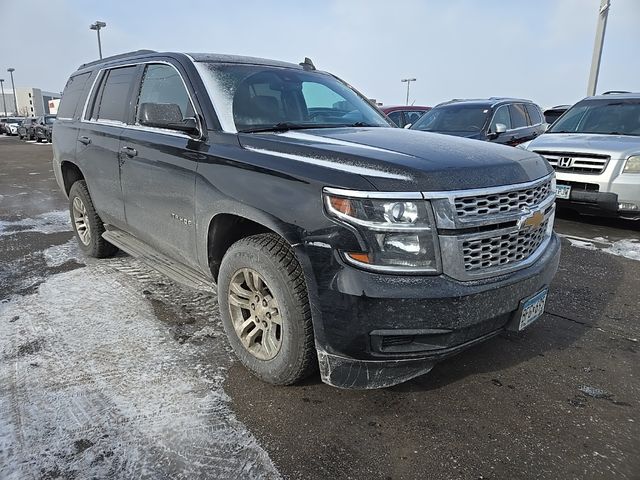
(32, 102)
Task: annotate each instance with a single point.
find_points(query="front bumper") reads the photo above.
(604, 200)
(379, 330)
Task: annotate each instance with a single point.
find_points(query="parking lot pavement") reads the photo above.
(109, 370)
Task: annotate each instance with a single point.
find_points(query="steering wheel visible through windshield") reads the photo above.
(263, 98)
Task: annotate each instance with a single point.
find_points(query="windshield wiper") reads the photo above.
(286, 126)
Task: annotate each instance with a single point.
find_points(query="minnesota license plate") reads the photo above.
(563, 191)
(532, 309)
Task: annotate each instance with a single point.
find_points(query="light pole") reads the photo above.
(4, 100)
(15, 100)
(97, 26)
(408, 82)
(603, 13)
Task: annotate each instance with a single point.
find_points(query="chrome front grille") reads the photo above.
(576, 162)
(502, 202)
(496, 230)
(499, 250)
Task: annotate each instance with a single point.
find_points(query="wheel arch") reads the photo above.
(71, 173)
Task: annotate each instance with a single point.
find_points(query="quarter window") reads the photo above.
(71, 96)
(163, 88)
(534, 114)
(114, 96)
(518, 115)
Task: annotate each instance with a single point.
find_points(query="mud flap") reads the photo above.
(348, 373)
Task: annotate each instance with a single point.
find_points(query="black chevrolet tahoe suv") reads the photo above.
(335, 240)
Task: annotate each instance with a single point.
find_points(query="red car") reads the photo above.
(404, 114)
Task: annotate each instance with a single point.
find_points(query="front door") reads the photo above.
(158, 168)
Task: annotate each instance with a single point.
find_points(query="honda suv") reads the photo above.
(508, 121)
(334, 240)
(595, 150)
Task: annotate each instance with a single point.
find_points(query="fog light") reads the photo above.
(627, 206)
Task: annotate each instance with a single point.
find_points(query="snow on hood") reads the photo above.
(397, 159)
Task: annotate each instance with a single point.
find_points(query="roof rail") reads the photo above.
(614, 92)
(115, 57)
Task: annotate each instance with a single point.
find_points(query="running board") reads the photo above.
(178, 272)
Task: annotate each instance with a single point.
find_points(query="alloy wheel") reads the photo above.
(81, 221)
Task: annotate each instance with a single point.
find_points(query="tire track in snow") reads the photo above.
(122, 385)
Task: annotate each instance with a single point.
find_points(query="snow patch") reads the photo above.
(628, 248)
(91, 381)
(50, 222)
(60, 254)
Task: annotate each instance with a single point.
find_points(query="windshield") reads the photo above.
(609, 117)
(453, 118)
(251, 98)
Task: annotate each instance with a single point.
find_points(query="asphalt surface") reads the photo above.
(560, 400)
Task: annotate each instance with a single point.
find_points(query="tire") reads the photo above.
(272, 259)
(87, 225)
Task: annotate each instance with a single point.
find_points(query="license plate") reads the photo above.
(563, 191)
(532, 309)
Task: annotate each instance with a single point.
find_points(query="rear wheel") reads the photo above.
(87, 224)
(265, 309)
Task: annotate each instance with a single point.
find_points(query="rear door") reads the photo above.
(158, 165)
(99, 141)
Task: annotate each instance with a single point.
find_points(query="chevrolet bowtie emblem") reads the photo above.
(532, 220)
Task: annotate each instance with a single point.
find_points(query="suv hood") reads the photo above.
(617, 146)
(394, 159)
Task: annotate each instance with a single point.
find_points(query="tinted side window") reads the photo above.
(162, 84)
(413, 117)
(71, 95)
(114, 95)
(518, 115)
(396, 117)
(501, 116)
(534, 114)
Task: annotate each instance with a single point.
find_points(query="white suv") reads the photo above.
(595, 149)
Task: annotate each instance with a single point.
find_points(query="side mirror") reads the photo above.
(408, 126)
(500, 128)
(188, 125)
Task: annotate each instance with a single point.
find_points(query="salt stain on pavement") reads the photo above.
(92, 385)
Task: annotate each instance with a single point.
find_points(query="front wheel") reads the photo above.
(265, 309)
(87, 224)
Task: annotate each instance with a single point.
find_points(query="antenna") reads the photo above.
(307, 64)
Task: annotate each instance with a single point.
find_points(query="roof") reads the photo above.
(220, 58)
(197, 57)
(616, 96)
(492, 101)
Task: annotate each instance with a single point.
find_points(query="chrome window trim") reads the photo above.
(137, 126)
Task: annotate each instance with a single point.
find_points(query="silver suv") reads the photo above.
(595, 149)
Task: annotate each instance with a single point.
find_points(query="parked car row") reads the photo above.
(30, 128)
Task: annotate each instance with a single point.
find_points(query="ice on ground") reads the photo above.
(628, 248)
(50, 222)
(625, 248)
(93, 385)
(60, 254)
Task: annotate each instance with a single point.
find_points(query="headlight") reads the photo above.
(398, 233)
(632, 165)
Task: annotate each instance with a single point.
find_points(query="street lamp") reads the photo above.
(408, 82)
(15, 101)
(603, 13)
(4, 100)
(97, 26)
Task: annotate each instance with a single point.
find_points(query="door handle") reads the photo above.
(129, 152)
(84, 140)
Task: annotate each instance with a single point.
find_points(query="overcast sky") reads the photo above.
(457, 48)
